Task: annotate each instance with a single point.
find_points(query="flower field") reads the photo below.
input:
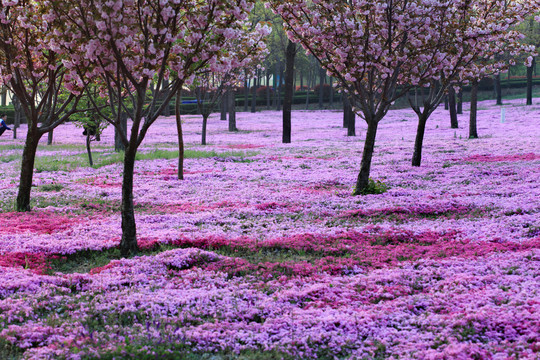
(263, 253)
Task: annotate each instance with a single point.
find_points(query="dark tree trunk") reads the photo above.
(473, 132)
(204, 123)
(321, 87)
(89, 149)
(290, 54)
(4, 97)
(307, 89)
(27, 169)
(254, 95)
(331, 92)
(460, 101)
(365, 167)
(530, 81)
(118, 145)
(446, 106)
(346, 111)
(128, 244)
(50, 137)
(280, 88)
(351, 124)
(452, 106)
(498, 92)
(17, 115)
(180, 135)
(246, 95)
(167, 110)
(268, 91)
(301, 81)
(223, 107)
(419, 141)
(232, 112)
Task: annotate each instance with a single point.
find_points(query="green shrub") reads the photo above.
(375, 187)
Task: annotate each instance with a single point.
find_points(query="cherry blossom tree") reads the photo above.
(476, 34)
(34, 72)
(380, 50)
(130, 45)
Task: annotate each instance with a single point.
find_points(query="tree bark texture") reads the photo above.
(246, 95)
(473, 131)
(346, 112)
(232, 111)
(254, 96)
(365, 167)
(27, 170)
(89, 150)
(331, 92)
(180, 136)
(351, 125)
(322, 75)
(530, 81)
(204, 123)
(460, 101)
(498, 91)
(223, 107)
(50, 137)
(128, 244)
(118, 145)
(419, 141)
(290, 54)
(453, 111)
(268, 104)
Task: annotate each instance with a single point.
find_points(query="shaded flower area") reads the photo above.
(262, 252)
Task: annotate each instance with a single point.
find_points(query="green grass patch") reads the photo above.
(67, 163)
(8, 351)
(173, 350)
(83, 261)
(10, 158)
(51, 187)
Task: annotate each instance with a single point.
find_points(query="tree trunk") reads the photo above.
(346, 112)
(530, 81)
(460, 101)
(473, 132)
(351, 124)
(321, 88)
(268, 91)
(307, 89)
(89, 150)
(232, 112)
(27, 169)
(223, 107)
(254, 96)
(365, 167)
(419, 141)
(246, 95)
(204, 123)
(331, 92)
(118, 145)
(498, 92)
(290, 54)
(50, 137)
(452, 106)
(280, 88)
(17, 116)
(4, 97)
(446, 106)
(167, 110)
(180, 135)
(128, 244)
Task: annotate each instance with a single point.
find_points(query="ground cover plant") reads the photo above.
(261, 252)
